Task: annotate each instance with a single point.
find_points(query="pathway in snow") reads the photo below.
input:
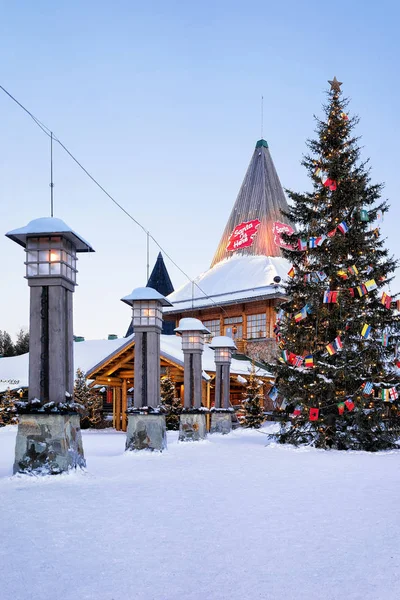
(224, 519)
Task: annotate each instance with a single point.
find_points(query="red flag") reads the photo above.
(349, 405)
(314, 412)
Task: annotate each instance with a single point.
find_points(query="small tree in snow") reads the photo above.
(170, 402)
(8, 411)
(92, 404)
(252, 403)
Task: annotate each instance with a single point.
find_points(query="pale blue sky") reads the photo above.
(160, 101)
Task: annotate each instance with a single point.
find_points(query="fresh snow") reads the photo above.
(238, 277)
(225, 519)
(49, 225)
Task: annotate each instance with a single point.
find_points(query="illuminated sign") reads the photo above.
(277, 229)
(243, 235)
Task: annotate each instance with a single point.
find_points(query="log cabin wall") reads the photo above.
(250, 324)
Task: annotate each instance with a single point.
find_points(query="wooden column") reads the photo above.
(117, 408)
(124, 405)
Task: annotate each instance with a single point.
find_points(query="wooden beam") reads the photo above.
(118, 365)
(124, 405)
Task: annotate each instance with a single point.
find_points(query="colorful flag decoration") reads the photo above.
(343, 228)
(371, 285)
(314, 412)
(297, 411)
(281, 314)
(307, 278)
(322, 275)
(338, 343)
(340, 407)
(273, 393)
(331, 349)
(312, 242)
(299, 361)
(309, 361)
(353, 270)
(362, 290)
(330, 297)
(344, 116)
(364, 216)
(385, 339)
(284, 404)
(332, 233)
(291, 358)
(349, 404)
(285, 355)
(366, 331)
(351, 290)
(369, 269)
(393, 393)
(386, 300)
(375, 232)
(291, 272)
(302, 314)
(321, 239)
(342, 274)
(367, 388)
(329, 183)
(302, 244)
(385, 395)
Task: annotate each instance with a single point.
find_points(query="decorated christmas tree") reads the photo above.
(7, 409)
(338, 331)
(170, 402)
(90, 400)
(253, 402)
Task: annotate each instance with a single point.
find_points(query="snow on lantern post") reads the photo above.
(49, 437)
(221, 414)
(146, 421)
(192, 420)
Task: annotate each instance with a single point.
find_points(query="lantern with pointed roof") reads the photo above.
(51, 247)
(223, 347)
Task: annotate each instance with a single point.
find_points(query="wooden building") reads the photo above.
(238, 294)
(115, 372)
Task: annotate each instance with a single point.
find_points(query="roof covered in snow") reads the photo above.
(190, 324)
(50, 226)
(234, 279)
(143, 294)
(90, 354)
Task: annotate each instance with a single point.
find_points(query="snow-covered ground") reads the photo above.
(223, 519)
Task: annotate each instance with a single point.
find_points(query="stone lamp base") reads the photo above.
(192, 427)
(221, 420)
(48, 444)
(146, 432)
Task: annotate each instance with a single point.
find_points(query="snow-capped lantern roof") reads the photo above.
(191, 324)
(49, 226)
(145, 294)
(222, 341)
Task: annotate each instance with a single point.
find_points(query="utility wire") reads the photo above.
(51, 135)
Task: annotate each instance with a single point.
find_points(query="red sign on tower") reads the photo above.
(277, 229)
(243, 235)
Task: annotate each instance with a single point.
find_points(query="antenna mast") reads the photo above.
(262, 117)
(51, 176)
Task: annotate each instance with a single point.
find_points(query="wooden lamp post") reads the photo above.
(192, 420)
(49, 438)
(221, 420)
(146, 423)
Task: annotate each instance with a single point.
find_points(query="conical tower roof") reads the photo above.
(160, 281)
(249, 230)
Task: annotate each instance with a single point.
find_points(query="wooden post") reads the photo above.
(117, 408)
(208, 403)
(124, 405)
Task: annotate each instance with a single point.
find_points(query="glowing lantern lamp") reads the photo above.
(47, 424)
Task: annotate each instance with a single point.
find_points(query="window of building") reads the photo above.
(256, 326)
(214, 326)
(233, 327)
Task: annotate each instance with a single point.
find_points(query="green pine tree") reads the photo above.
(8, 411)
(170, 402)
(253, 402)
(353, 264)
(90, 400)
